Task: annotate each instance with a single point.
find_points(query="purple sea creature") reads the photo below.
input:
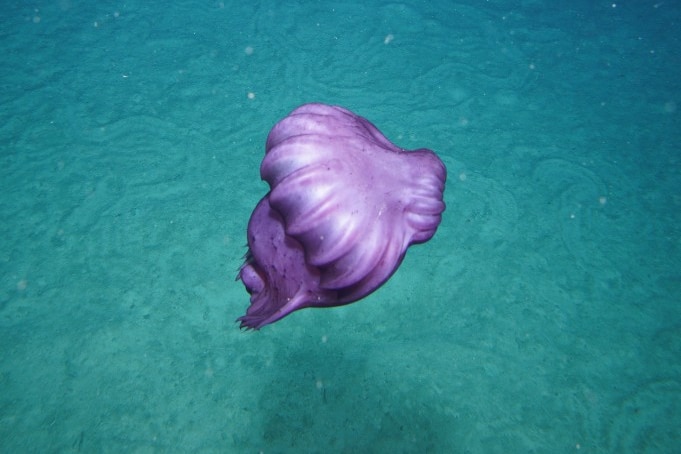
(344, 205)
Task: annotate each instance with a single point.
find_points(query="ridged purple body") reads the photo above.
(344, 205)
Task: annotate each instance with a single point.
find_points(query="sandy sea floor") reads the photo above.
(543, 317)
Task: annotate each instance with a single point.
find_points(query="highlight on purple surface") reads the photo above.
(344, 205)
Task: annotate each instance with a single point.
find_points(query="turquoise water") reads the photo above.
(543, 317)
